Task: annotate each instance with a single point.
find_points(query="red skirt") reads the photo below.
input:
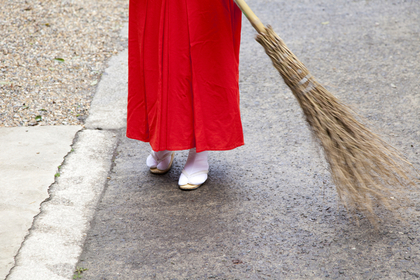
(183, 74)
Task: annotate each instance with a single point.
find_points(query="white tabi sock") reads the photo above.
(159, 160)
(195, 169)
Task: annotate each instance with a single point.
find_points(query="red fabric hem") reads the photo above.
(183, 148)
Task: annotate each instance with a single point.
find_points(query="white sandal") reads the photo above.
(189, 186)
(154, 168)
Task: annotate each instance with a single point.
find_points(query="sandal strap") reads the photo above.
(153, 154)
(189, 176)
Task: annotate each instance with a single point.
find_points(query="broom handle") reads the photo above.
(253, 19)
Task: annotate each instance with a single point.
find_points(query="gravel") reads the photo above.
(52, 55)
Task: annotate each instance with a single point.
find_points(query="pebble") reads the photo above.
(51, 54)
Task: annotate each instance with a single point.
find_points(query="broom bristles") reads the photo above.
(365, 169)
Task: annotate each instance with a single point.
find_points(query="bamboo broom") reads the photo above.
(365, 169)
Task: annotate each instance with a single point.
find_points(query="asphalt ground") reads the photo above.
(269, 209)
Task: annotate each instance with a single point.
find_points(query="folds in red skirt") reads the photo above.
(183, 74)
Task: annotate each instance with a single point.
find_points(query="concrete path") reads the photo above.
(29, 159)
(268, 210)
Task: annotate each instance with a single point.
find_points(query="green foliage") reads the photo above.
(78, 272)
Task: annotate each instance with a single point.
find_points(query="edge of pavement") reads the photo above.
(30, 161)
(55, 241)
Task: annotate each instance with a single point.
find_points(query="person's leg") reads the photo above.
(195, 170)
(160, 162)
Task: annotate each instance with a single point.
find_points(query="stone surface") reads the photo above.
(54, 244)
(29, 158)
(109, 106)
